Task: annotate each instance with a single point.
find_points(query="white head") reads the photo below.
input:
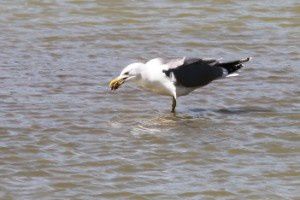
(130, 73)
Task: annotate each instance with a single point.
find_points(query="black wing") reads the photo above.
(196, 72)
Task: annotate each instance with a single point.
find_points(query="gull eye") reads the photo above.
(126, 73)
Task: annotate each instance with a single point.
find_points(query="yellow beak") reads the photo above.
(116, 83)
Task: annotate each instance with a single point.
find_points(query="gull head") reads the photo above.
(130, 73)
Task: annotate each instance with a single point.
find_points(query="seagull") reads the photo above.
(176, 77)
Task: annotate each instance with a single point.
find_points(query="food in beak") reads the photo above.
(116, 83)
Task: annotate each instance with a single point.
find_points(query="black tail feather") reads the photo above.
(234, 65)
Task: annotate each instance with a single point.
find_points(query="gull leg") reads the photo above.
(173, 105)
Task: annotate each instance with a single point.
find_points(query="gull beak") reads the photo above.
(117, 82)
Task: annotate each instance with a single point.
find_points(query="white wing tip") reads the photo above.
(232, 75)
(246, 59)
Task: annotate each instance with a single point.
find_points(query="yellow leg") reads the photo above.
(173, 105)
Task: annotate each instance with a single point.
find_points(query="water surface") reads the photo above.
(64, 135)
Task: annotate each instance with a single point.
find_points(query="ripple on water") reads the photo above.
(64, 135)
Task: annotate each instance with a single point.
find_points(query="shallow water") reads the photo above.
(64, 135)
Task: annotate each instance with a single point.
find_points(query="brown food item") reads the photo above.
(116, 83)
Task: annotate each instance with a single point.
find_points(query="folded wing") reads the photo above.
(197, 72)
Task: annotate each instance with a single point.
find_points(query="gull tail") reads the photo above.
(231, 67)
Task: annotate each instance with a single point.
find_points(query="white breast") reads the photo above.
(155, 80)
